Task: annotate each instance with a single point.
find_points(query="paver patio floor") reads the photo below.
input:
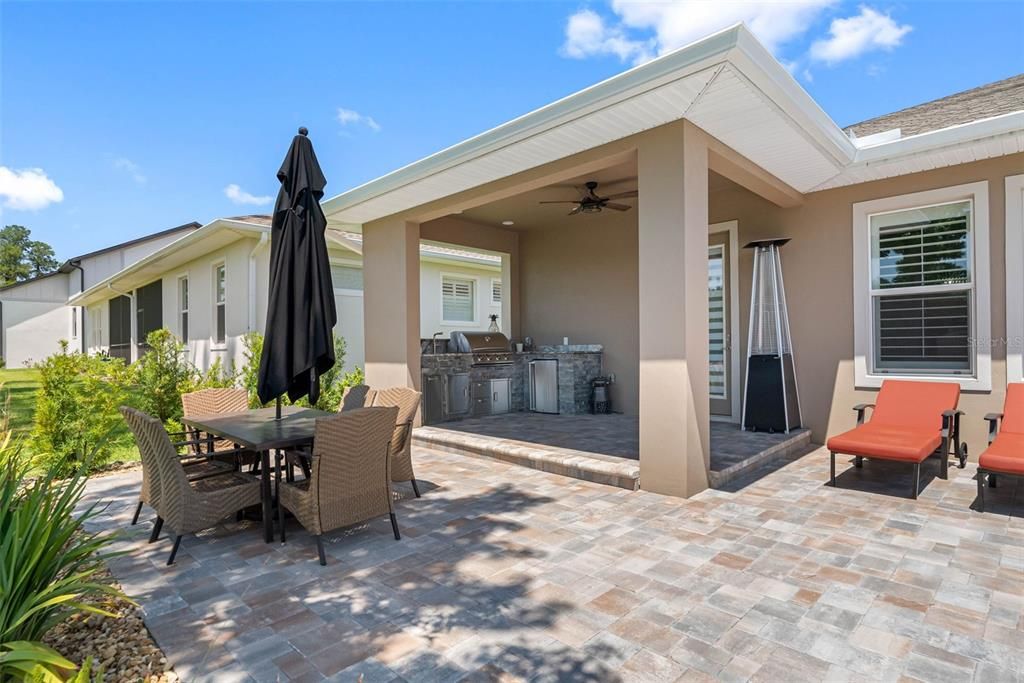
(508, 573)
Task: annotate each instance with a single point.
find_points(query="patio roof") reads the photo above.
(729, 85)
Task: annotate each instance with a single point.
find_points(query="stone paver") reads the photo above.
(506, 573)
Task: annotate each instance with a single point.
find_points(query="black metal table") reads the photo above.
(260, 431)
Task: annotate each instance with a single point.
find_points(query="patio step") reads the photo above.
(794, 442)
(593, 467)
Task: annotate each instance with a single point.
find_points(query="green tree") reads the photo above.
(21, 257)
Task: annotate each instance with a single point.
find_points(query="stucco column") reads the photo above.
(673, 310)
(391, 303)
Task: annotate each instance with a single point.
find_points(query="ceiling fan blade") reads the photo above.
(622, 195)
(575, 211)
(616, 207)
(560, 201)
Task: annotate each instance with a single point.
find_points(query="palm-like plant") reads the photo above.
(48, 565)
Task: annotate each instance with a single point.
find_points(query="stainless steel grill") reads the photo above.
(488, 348)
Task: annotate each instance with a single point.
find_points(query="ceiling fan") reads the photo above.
(590, 202)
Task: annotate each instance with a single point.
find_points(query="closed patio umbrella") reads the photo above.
(298, 344)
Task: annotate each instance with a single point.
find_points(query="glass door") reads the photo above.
(719, 341)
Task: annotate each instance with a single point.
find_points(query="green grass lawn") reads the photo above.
(20, 387)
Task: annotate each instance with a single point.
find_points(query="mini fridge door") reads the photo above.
(544, 385)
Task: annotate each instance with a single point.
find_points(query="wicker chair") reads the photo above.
(350, 475)
(195, 468)
(215, 402)
(357, 396)
(186, 505)
(408, 402)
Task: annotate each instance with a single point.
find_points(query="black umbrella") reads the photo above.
(298, 345)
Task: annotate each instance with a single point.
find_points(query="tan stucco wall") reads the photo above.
(580, 281)
(818, 268)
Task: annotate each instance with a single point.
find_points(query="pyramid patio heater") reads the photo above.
(770, 402)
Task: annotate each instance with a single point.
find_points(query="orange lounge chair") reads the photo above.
(910, 422)
(1005, 453)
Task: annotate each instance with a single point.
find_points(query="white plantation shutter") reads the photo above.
(922, 289)
(495, 291)
(716, 321)
(457, 300)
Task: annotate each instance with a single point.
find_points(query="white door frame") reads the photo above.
(733, 228)
(1014, 272)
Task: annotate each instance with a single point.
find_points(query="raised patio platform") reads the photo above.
(599, 448)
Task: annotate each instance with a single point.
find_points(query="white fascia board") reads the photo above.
(944, 137)
(85, 298)
(670, 67)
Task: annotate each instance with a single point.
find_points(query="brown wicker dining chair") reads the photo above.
(214, 402)
(195, 467)
(186, 505)
(356, 396)
(350, 475)
(408, 402)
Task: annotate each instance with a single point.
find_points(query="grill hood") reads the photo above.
(479, 342)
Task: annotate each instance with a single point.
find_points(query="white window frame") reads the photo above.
(981, 330)
(214, 342)
(476, 298)
(75, 331)
(1014, 273)
(501, 290)
(183, 309)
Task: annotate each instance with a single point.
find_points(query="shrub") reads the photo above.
(49, 565)
(332, 383)
(162, 374)
(76, 409)
(216, 377)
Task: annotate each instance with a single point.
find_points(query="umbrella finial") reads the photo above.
(303, 131)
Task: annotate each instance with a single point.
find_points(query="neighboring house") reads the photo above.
(210, 289)
(35, 314)
(906, 255)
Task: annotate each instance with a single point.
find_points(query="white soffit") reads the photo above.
(733, 110)
(634, 115)
(962, 144)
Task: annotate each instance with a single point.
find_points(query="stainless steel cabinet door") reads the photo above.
(501, 396)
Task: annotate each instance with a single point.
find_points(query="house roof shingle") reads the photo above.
(1001, 97)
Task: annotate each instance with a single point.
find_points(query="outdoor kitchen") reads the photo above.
(474, 374)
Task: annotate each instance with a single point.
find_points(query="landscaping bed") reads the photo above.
(122, 647)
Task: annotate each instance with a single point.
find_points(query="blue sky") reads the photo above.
(118, 119)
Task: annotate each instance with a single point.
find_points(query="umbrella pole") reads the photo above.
(278, 417)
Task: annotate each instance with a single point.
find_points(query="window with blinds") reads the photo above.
(495, 292)
(457, 300)
(716, 322)
(922, 290)
(347, 277)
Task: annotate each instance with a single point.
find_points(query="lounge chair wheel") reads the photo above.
(858, 462)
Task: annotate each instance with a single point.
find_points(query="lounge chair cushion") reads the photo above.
(914, 405)
(1013, 410)
(886, 441)
(1005, 455)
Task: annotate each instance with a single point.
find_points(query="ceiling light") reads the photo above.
(508, 222)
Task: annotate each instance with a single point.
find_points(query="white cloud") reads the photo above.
(240, 196)
(679, 23)
(853, 36)
(131, 168)
(586, 34)
(29, 189)
(348, 117)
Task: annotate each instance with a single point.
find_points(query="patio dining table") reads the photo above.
(260, 431)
